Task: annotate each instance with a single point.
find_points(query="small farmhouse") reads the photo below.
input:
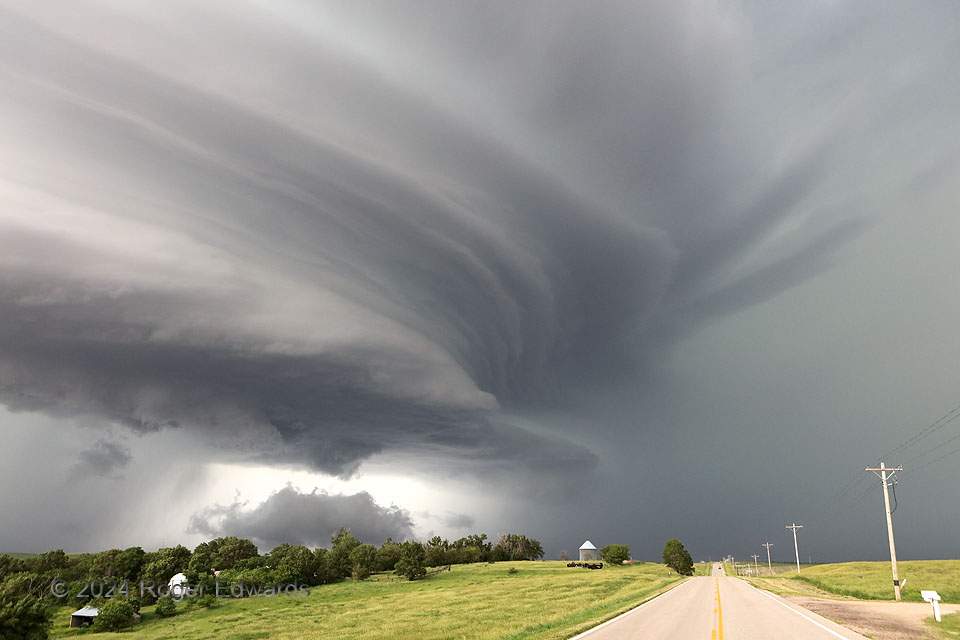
(588, 552)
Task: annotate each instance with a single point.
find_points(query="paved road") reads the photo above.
(719, 608)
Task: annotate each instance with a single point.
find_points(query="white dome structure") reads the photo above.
(177, 585)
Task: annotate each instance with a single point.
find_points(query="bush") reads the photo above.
(166, 607)
(512, 570)
(114, 615)
(615, 553)
(206, 601)
(410, 569)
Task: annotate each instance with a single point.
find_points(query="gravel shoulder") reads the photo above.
(879, 620)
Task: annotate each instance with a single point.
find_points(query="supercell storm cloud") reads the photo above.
(312, 233)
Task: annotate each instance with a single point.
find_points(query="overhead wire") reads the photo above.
(930, 462)
(929, 451)
(841, 497)
(927, 431)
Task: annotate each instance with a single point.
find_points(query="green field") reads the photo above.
(540, 600)
(949, 628)
(873, 581)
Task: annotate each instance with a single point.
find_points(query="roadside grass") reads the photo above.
(781, 567)
(872, 580)
(949, 628)
(775, 568)
(542, 600)
(702, 568)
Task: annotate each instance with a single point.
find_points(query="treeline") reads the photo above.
(25, 584)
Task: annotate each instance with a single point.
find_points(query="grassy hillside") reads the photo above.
(873, 581)
(478, 601)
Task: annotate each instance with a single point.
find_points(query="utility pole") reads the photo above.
(769, 566)
(755, 566)
(795, 526)
(882, 471)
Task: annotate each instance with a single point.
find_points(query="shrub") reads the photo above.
(166, 607)
(114, 615)
(410, 569)
(206, 601)
(615, 553)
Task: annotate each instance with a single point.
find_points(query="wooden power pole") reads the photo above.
(886, 473)
(769, 566)
(795, 526)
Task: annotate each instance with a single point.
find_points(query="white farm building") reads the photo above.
(589, 553)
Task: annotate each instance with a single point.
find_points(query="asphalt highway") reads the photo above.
(719, 608)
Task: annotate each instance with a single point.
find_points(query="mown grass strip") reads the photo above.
(539, 601)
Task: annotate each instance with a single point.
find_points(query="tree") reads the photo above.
(615, 553)
(677, 558)
(514, 546)
(324, 571)
(388, 555)
(230, 550)
(436, 552)
(49, 561)
(22, 617)
(362, 559)
(410, 565)
(472, 548)
(292, 563)
(160, 565)
(343, 543)
(202, 559)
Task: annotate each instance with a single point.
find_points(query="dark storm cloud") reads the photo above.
(104, 458)
(316, 237)
(305, 518)
(459, 521)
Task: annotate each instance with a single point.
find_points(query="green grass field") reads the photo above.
(949, 628)
(478, 601)
(873, 581)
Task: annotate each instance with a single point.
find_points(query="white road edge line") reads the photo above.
(626, 613)
(806, 617)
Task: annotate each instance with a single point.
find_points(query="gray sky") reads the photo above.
(626, 272)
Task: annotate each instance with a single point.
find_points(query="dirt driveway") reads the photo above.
(879, 620)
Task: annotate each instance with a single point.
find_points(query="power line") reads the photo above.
(838, 499)
(929, 430)
(927, 464)
(939, 446)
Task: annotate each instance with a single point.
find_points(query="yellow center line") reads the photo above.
(718, 632)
